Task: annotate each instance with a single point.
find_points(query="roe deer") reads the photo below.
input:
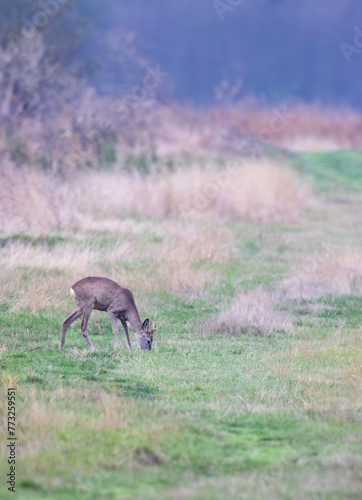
(104, 294)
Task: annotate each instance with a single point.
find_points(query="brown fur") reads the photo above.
(104, 294)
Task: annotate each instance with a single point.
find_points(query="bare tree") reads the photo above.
(32, 82)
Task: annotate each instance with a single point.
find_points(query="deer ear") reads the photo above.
(146, 325)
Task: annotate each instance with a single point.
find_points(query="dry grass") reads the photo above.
(181, 263)
(72, 258)
(266, 192)
(180, 279)
(52, 272)
(181, 260)
(116, 413)
(255, 192)
(32, 201)
(334, 272)
(175, 261)
(41, 292)
(253, 312)
(192, 243)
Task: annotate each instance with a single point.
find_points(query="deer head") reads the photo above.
(145, 338)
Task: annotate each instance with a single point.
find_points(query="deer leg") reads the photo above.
(113, 318)
(83, 327)
(125, 328)
(66, 324)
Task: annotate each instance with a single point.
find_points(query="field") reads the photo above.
(253, 385)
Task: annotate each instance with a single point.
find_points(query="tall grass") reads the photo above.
(256, 192)
(32, 201)
(180, 259)
(332, 272)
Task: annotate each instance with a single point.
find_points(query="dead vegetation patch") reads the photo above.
(333, 272)
(255, 192)
(254, 312)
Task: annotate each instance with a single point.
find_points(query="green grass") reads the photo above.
(332, 172)
(50, 241)
(203, 415)
(204, 407)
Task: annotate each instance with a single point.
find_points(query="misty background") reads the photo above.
(273, 50)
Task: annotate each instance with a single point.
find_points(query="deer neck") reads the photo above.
(135, 321)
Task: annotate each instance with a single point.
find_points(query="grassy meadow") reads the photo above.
(253, 385)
